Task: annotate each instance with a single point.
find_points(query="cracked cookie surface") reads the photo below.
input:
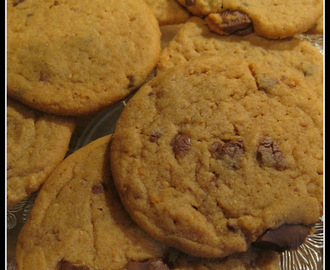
(36, 143)
(195, 39)
(77, 57)
(210, 154)
(78, 222)
(271, 19)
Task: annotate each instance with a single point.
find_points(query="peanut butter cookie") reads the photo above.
(77, 57)
(221, 152)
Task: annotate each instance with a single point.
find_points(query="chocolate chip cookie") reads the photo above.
(36, 144)
(271, 19)
(195, 38)
(77, 57)
(78, 222)
(215, 154)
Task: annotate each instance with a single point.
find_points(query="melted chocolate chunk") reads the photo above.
(180, 145)
(65, 265)
(153, 264)
(97, 189)
(234, 20)
(231, 151)
(270, 155)
(286, 237)
(230, 22)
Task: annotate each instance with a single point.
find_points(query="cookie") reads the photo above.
(168, 12)
(77, 57)
(220, 152)
(271, 19)
(78, 222)
(194, 39)
(36, 144)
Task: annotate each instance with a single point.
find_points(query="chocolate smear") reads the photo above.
(286, 237)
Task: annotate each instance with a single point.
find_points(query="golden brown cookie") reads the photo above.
(221, 152)
(194, 39)
(78, 222)
(271, 19)
(77, 57)
(36, 144)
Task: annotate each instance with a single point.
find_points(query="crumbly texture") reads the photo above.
(195, 39)
(77, 57)
(271, 19)
(36, 144)
(78, 222)
(210, 154)
(168, 12)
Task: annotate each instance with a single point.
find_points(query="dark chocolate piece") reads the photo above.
(97, 189)
(270, 155)
(230, 152)
(233, 21)
(180, 145)
(286, 237)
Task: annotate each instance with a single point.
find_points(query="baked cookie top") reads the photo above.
(168, 11)
(78, 222)
(209, 155)
(77, 57)
(271, 19)
(194, 39)
(36, 144)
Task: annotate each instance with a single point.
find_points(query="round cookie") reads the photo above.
(78, 222)
(77, 57)
(214, 154)
(36, 144)
(194, 39)
(271, 19)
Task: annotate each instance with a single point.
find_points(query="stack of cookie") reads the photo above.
(215, 163)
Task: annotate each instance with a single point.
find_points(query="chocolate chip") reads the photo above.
(131, 80)
(97, 189)
(16, 2)
(231, 152)
(65, 265)
(43, 77)
(190, 2)
(270, 155)
(286, 237)
(154, 137)
(180, 145)
(229, 22)
(153, 264)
